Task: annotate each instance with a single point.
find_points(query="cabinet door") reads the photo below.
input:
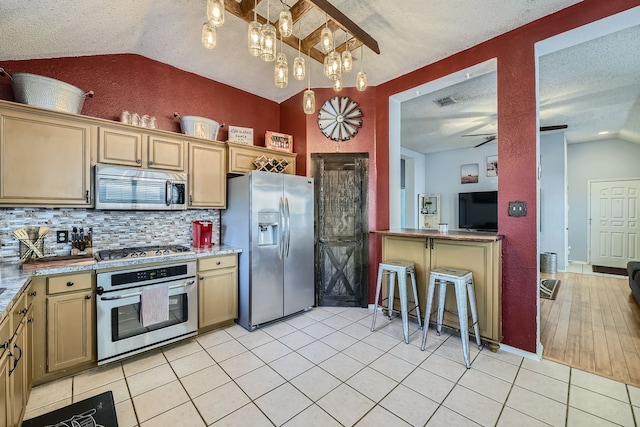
(44, 161)
(414, 250)
(207, 176)
(17, 374)
(120, 147)
(166, 153)
(483, 260)
(70, 322)
(218, 296)
(5, 394)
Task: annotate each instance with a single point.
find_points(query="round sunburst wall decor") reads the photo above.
(340, 118)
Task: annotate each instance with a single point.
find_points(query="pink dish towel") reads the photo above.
(154, 305)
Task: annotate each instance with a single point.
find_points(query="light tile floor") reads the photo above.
(326, 368)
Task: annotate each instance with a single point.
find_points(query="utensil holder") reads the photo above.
(33, 237)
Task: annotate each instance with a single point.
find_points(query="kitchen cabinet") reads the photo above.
(241, 158)
(6, 334)
(126, 146)
(483, 257)
(46, 158)
(217, 290)
(70, 321)
(207, 176)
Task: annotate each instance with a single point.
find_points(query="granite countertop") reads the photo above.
(476, 236)
(13, 278)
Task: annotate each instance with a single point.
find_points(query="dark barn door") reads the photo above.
(342, 239)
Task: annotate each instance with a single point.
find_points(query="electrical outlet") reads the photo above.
(62, 236)
(517, 208)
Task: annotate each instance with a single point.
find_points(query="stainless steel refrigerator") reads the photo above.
(270, 216)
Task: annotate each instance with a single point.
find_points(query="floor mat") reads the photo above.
(98, 411)
(609, 270)
(549, 288)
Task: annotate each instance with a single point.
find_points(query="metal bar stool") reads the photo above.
(463, 282)
(401, 269)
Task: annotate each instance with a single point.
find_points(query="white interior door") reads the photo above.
(614, 222)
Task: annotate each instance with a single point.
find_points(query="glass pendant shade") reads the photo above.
(281, 72)
(208, 36)
(326, 66)
(334, 63)
(347, 61)
(326, 40)
(215, 12)
(285, 24)
(337, 84)
(309, 102)
(361, 81)
(253, 38)
(298, 68)
(268, 42)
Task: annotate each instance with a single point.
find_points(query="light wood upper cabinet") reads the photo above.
(45, 160)
(120, 147)
(166, 153)
(241, 158)
(207, 175)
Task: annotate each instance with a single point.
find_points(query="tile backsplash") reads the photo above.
(111, 229)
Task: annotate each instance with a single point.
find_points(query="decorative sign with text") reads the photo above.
(240, 135)
(278, 141)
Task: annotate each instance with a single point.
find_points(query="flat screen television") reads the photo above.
(478, 211)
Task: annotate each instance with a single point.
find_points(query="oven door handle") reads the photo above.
(135, 294)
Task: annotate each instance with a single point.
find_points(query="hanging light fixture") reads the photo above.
(208, 35)
(281, 71)
(215, 12)
(285, 23)
(298, 64)
(334, 63)
(337, 84)
(268, 40)
(326, 37)
(361, 77)
(253, 35)
(325, 66)
(309, 98)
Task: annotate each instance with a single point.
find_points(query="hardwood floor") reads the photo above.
(593, 324)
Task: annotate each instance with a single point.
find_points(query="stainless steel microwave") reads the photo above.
(123, 188)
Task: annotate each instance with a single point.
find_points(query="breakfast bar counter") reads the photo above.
(478, 252)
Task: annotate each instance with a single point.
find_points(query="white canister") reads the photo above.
(443, 227)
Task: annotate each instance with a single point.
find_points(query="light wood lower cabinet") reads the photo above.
(483, 259)
(5, 366)
(217, 290)
(207, 175)
(45, 159)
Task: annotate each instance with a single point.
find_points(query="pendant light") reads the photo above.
(334, 63)
(268, 40)
(208, 36)
(337, 84)
(309, 98)
(361, 77)
(285, 23)
(298, 64)
(325, 66)
(253, 35)
(326, 37)
(215, 12)
(281, 71)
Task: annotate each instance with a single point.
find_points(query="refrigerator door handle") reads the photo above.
(288, 228)
(281, 234)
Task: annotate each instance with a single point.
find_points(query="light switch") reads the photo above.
(517, 208)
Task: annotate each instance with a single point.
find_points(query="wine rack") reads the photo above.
(264, 163)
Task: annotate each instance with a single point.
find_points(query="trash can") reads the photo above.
(549, 262)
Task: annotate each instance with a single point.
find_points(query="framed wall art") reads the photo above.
(278, 141)
(492, 165)
(469, 173)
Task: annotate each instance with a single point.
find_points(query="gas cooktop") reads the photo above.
(141, 252)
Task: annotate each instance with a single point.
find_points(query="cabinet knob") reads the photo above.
(150, 162)
(31, 320)
(201, 277)
(218, 263)
(70, 283)
(87, 297)
(33, 294)
(190, 199)
(139, 161)
(23, 311)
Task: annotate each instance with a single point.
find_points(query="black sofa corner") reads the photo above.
(633, 268)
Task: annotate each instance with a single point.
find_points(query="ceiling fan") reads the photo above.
(492, 136)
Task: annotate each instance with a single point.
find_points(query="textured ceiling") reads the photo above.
(410, 34)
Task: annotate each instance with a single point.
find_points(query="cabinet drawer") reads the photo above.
(18, 311)
(217, 262)
(68, 283)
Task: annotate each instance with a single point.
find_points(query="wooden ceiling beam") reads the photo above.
(314, 37)
(300, 9)
(246, 8)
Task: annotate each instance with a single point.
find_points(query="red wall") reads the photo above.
(517, 149)
(144, 86)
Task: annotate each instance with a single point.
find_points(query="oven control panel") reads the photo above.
(161, 273)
